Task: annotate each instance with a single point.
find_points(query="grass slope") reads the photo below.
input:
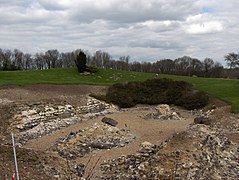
(226, 90)
(70, 76)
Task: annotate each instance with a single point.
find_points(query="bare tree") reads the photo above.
(6, 57)
(208, 64)
(164, 66)
(196, 67)
(136, 66)
(68, 59)
(51, 57)
(40, 62)
(182, 65)
(217, 70)
(124, 63)
(101, 59)
(27, 61)
(18, 58)
(188, 66)
(146, 67)
(232, 59)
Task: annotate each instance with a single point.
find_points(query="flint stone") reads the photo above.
(109, 121)
(202, 120)
(146, 146)
(164, 109)
(101, 145)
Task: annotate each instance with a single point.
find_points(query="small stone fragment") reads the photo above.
(109, 121)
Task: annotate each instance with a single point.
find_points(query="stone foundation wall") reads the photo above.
(37, 119)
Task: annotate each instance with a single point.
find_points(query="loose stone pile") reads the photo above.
(38, 119)
(217, 156)
(5, 101)
(32, 116)
(95, 108)
(230, 125)
(205, 153)
(34, 120)
(99, 136)
(163, 112)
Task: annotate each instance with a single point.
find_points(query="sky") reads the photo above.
(146, 30)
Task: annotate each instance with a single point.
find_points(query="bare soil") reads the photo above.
(154, 131)
(69, 93)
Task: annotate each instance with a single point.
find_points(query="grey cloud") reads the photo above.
(158, 44)
(128, 11)
(143, 29)
(15, 2)
(52, 5)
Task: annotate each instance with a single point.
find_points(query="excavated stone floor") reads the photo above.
(66, 138)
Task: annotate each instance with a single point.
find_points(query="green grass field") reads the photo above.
(224, 89)
(69, 76)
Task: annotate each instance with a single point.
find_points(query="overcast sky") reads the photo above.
(147, 30)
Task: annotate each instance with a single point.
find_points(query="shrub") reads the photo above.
(156, 91)
(193, 100)
(92, 69)
(122, 95)
(9, 67)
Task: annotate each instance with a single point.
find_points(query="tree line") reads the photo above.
(186, 65)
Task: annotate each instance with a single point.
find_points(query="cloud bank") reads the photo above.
(146, 30)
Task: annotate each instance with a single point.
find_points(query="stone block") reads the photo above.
(109, 121)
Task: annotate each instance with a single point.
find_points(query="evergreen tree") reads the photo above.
(81, 62)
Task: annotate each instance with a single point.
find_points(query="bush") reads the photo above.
(193, 100)
(156, 91)
(122, 95)
(92, 69)
(10, 67)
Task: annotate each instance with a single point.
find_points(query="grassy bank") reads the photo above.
(226, 90)
(70, 76)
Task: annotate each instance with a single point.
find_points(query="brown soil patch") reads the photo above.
(69, 93)
(233, 137)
